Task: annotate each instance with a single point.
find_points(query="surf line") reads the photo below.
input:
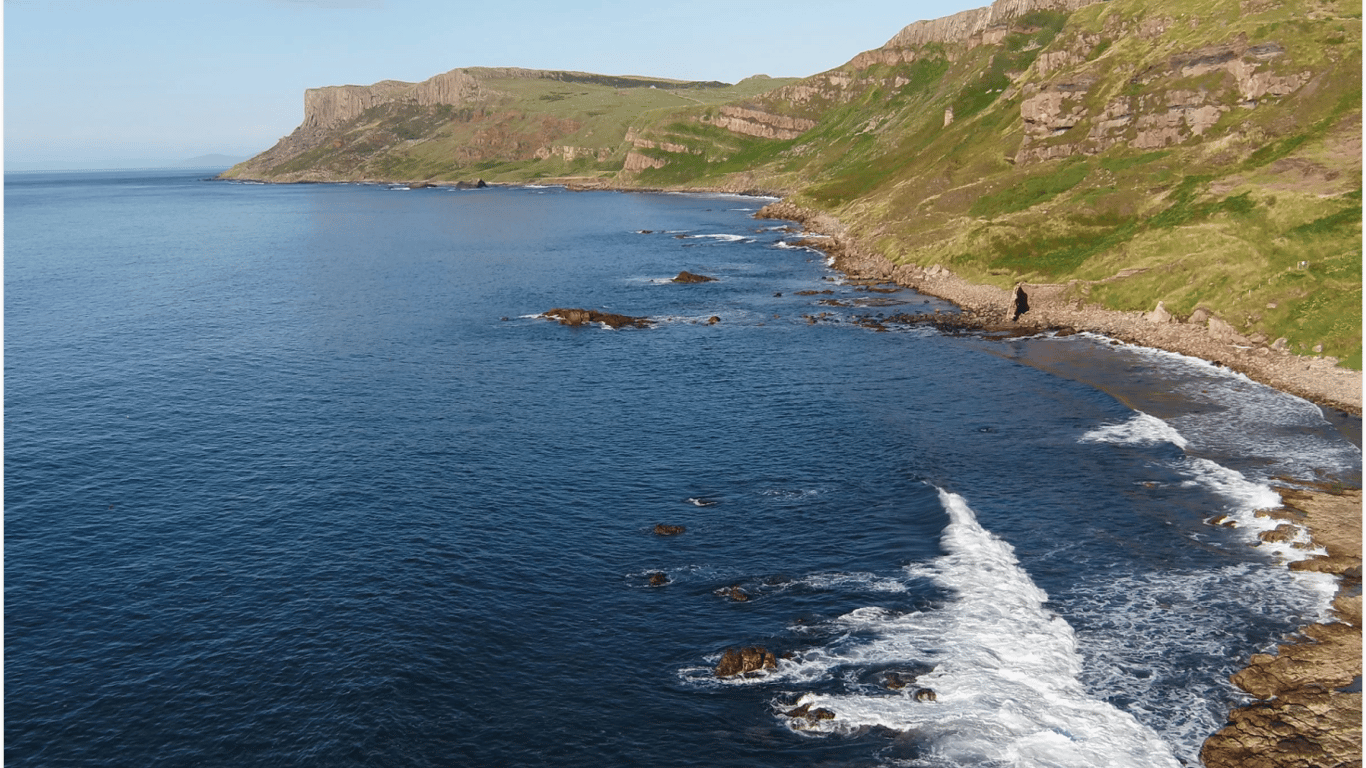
(1006, 670)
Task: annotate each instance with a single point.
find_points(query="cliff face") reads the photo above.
(327, 108)
(981, 26)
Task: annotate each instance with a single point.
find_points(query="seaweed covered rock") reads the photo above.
(748, 659)
(588, 316)
(688, 277)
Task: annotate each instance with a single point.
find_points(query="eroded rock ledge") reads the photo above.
(1308, 711)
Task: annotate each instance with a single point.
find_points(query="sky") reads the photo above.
(146, 83)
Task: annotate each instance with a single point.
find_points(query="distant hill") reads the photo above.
(1205, 155)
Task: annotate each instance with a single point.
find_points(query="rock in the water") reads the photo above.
(748, 659)
(668, 530)
(658, 579)
(713, 320)
(805, 712)
(687, 277)
(588, 316)
(925, 694)
(736, 594)
(894, 681)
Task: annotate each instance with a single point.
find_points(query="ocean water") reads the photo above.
(295, 475)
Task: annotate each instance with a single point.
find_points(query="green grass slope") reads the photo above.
(1206, 155)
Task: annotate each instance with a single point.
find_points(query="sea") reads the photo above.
(299, 475)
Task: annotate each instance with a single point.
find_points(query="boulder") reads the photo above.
(713, 320)
(688, 277)
(658, 579)
(925, 694)
(1160, 315)
(668, 530)
(746, 660)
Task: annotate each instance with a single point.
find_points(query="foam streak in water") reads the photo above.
(1140, 430)
(1005, 670)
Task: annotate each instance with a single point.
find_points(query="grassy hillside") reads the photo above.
(1205, 155)
(1130, 149)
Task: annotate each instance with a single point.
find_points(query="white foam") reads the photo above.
(861, 582)
(1245, 499)
(1005, 670)
(723, 238)
(1249, 419)
(1142, 429)
(1158, 638)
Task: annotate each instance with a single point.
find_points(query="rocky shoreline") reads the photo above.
(1202, 335)
(1307, 711)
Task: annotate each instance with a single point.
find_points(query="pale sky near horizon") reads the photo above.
(137, 83)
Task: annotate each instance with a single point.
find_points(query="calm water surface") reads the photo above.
(294, 475)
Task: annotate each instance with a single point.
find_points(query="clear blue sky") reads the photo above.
(130, 83)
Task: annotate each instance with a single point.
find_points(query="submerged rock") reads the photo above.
(748, 659)
(734, 593)
(668, 530)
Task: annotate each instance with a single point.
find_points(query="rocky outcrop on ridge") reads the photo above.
(754, 122)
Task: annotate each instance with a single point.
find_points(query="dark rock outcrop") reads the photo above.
(1020, 303)
(668, 530)
(745, 660)
(925, 694)
(688, 277)
(589, 316)
(807, 713)
(658, 579)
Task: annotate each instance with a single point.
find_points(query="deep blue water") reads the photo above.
(295, 476)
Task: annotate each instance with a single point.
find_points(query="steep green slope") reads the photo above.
(1202, 155)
